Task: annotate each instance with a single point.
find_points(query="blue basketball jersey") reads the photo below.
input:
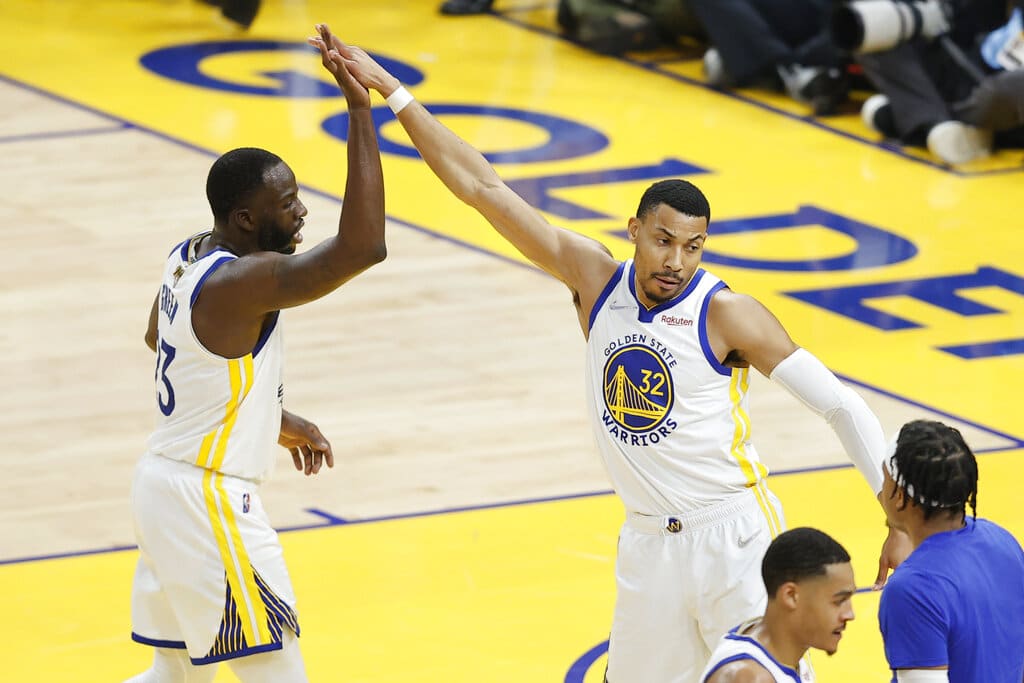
(958, 601)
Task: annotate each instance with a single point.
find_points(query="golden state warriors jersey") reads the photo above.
(672, 423)
(221, 414)
(736, 645)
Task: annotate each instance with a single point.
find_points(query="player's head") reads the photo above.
(932, 470)
(669, 230)
(255, 191)
(809, 581)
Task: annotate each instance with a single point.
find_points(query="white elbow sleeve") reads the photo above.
(922, 675)
(858, 429)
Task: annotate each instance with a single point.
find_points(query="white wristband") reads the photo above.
(399, 99)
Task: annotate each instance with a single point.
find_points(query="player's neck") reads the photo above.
(925, 529)
(778, 641)
(219, 238)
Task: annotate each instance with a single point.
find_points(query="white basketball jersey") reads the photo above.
(671, 422)
(221, 414)
(735, 645)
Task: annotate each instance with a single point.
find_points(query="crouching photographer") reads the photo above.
(948, 72)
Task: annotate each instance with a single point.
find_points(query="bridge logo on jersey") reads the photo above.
(637, 388)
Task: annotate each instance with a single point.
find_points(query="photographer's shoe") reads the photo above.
(876, 112)
(465, 7)
(955, 142)
(714, 69)
(824, 89)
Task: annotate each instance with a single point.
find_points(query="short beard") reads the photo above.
(269, 238)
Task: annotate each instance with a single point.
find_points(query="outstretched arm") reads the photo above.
(748, 333)
(578, 261)
(745, 331)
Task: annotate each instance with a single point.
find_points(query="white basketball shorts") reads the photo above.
(683, 581)
(211, 576)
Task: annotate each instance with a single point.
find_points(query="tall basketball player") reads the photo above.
(669, 351)
(211, 583)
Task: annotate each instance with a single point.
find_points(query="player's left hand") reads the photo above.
(896, 548)
(309, 449)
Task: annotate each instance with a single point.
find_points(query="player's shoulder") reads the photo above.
(730, 306)
(745, 670)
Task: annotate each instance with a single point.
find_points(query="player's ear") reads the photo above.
(243, 219)
(633, 227)
(788, 595)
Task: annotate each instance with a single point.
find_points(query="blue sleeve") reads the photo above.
(913, 616)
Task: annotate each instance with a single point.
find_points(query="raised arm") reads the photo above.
(273, 281)
(583, 264)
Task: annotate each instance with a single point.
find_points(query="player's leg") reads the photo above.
(654, 638)
(215, 560)
(173, 666)
(272, 667)
(733, 590)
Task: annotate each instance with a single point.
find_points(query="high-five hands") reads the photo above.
(356, 94)
(353, 60)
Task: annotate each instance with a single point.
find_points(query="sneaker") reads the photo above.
(824, 89)
(955, 142)
(241, 12)
(876, 112)
(622, 31)
(714, 69)
(466, 7)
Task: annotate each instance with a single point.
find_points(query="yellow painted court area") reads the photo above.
(902, 276)
(505, 594)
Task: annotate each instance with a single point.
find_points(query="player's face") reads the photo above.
(891, 499)
(669, 246)
(278, 212)
(825, 606)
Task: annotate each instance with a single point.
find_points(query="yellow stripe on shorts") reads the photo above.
(237, 566)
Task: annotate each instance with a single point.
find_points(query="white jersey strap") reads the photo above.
(860, 432)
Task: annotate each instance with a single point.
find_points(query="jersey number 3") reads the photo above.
(164, 355)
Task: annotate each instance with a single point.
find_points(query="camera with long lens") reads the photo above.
(875, 25)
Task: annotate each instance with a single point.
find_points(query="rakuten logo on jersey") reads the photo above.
(679, 322)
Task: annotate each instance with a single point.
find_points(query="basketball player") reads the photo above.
(669, 352)
(954, 610)
(809, 581)
(211, 583)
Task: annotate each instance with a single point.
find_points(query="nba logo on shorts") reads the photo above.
(245, 502)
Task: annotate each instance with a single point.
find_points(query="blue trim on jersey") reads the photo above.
(702, 333)
(183, 247)
(732, 635)
(265, 334)
(730, 660)
(605, 293)
(235, 654)
(647, 314)
(199, 285)
(155, 642)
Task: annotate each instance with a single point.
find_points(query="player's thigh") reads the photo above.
(730, 573)
(276, 666)
(654, 637)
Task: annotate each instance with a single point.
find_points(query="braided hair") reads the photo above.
(935, 468)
